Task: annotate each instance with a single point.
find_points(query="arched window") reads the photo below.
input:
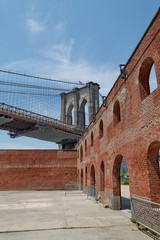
(81, 153)
(116, 113)
(102, 176)
(85, 145)
(93, 177)
(147, 78)
(92, 139)
(101, 129)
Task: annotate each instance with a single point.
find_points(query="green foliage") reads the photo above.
(124, 177)
(124, 181)
(133, 220)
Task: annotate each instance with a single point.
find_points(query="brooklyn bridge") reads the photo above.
(46, 109)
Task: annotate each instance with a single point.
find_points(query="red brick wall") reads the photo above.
(132, 137)
(36, 169)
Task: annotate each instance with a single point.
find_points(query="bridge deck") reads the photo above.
(20, 122)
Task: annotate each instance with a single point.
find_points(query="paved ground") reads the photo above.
(125, 197)
(125, 192)
(46, 215)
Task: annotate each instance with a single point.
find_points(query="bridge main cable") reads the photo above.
(42, 78)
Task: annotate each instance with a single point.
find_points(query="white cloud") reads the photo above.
(59, 53)
(34, 26)
(56, 62)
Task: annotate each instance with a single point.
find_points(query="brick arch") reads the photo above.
(154, 170)
(102, 176)
(85, 144)
(117, 203)
(101, 129)
(86, 173)
(116, 113)
(92, 138)
(92, 176)
(144, 77)
(116, 175)
(81, 153)
(81, 177)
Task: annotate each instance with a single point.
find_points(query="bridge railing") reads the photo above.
(146, 213)
(25, 114)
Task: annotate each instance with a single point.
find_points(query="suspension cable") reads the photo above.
(42, 78)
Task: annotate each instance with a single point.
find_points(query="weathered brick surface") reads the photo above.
(133, 136)
(37, 169)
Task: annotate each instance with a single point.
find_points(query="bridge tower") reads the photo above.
(73, 105)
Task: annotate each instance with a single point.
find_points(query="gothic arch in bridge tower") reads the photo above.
(70, 114)
(76, 101)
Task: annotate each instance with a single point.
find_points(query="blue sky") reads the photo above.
(73, 40)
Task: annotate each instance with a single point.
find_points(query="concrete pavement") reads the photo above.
(50, 215)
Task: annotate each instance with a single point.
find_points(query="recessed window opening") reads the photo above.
(86, 176)
(81, 179)
(154, 158)
(81, 154)
(116, 113)
(102, 177)
(92, 139)
(154, 169)
(85, 145)
(101, 129)
(93, 177)
(147, 78)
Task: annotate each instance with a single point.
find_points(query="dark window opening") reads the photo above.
(92, 139)
(102, 177)
(101, 129)
(81, 153)
(116, 113)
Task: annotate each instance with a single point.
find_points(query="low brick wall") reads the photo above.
(37, 169)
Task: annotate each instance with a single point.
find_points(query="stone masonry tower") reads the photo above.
(73, 105)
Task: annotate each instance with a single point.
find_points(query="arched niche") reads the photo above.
(116, 113)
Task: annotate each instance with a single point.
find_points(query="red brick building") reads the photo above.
(127, 126)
